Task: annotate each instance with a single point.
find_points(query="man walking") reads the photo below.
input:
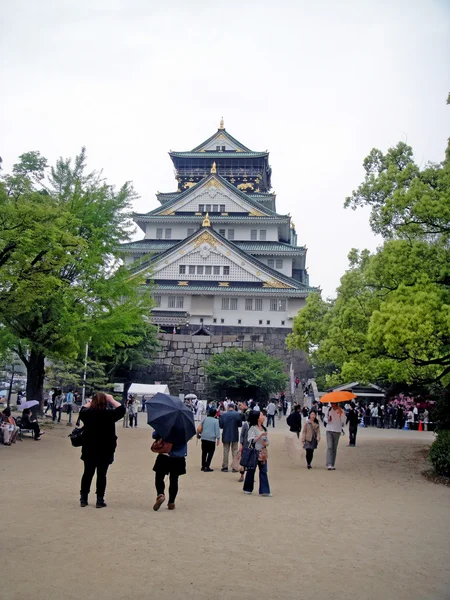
(69, 401)
(230, 421)
(352, 420)
(294, 420)
(271, 410)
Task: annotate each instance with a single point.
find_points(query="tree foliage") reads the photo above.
(245, 374)
(390, 321)
(61, 281)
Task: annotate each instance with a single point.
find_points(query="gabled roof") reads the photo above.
(354, 384)
(275, 279)
(221, 132)
(146, 246)
(214, 176)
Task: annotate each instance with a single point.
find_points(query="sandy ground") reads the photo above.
(373, 529)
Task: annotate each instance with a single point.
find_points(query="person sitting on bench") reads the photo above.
(28, 422)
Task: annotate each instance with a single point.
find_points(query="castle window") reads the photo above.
(222, 320)
(159, 233)
(271, 262)
(216, 270)
(231, 234)
(262, 235)
(176, 301)
(199, 269)
(157, 300)
(208, 270)
(249, 304)
(278, 304)
(215, 208)
(208, 208)
(226, 270)
(279, 263)
(254, 235)
(201, 208)
(258, 304)
(229, 303)
(182, 269)
(260, 322)
(191, 269)
(168, 234)
(222, 208)
(222, 232)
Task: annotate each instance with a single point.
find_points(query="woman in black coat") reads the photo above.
(99, 443)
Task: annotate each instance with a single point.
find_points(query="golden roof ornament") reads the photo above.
(221, 124)
(214, 167)
(206, 221)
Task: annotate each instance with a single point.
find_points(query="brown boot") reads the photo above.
(171, 506)
(159, 500)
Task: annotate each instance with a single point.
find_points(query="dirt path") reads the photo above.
(372, 530)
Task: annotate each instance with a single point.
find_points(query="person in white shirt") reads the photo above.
(271, 410)
(335, 419)
(374, 414)
(410, 417)
(199, 410)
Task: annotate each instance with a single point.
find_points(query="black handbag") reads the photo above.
(249, 458)
(76, 437)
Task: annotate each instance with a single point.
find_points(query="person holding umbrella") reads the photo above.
(335, 420)
(174, 426)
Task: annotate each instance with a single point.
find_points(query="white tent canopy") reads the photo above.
(141, 389)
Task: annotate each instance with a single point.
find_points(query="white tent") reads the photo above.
(141, 389)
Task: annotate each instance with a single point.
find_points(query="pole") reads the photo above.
(8, 402)
(83, 394)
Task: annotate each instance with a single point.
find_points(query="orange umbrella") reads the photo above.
(337, 397)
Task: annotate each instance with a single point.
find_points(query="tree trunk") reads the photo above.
(126, 387)
(35, 377)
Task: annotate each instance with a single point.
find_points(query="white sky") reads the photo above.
(318, 84)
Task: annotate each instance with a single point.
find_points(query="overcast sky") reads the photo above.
(317, 83)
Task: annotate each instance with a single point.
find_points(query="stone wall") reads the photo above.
(181, 360)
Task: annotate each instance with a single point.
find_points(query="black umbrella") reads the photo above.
(170, 418)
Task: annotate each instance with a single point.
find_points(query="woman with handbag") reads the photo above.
(99, 443)
(209, 433)
(171, 461)
(310, 436)
(257, 442)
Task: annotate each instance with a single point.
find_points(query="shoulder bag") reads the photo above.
(76, 437)
(161, 447)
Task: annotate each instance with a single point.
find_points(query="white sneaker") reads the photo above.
(329, 467)
(247, 492)
(266, 495)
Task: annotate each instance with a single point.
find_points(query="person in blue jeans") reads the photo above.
(257, 437)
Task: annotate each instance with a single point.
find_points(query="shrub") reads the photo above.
(440, 453)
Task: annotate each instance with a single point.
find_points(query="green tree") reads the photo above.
(245, 374)
(390, 321)
(61, 281)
